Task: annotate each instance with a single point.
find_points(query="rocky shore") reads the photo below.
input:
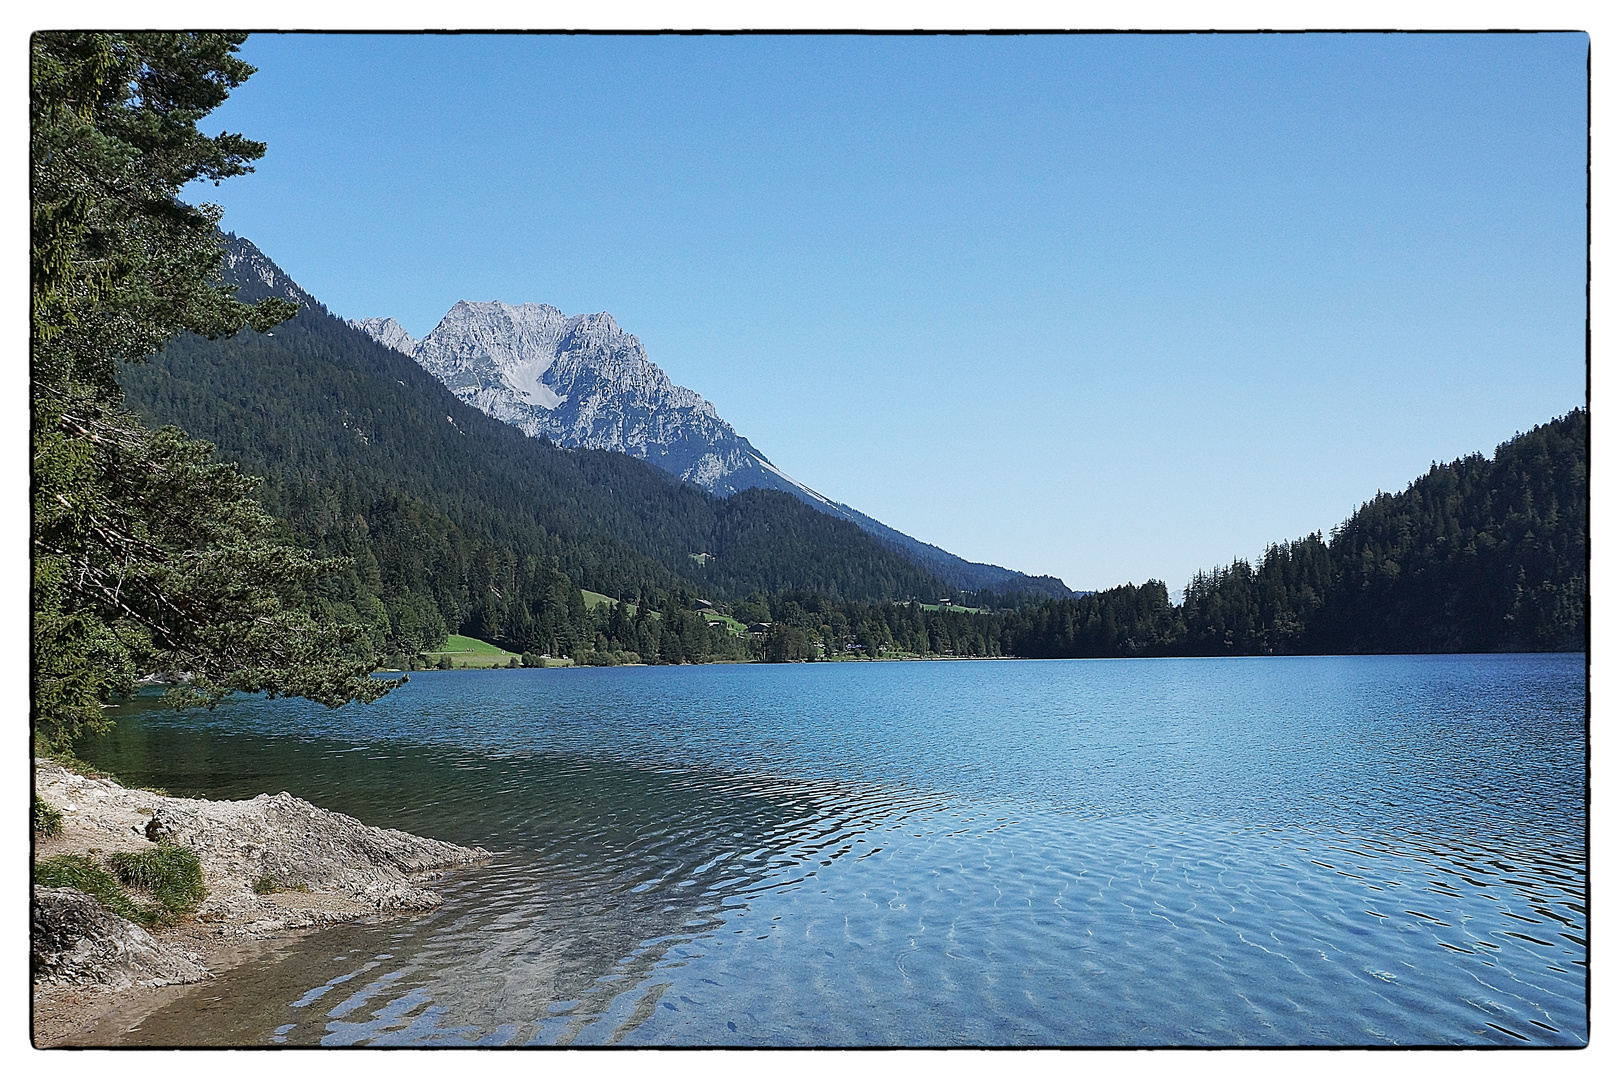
(273, 866)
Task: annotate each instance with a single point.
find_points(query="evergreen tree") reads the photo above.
(145, 554)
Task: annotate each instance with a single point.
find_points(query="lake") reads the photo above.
(1364, 851)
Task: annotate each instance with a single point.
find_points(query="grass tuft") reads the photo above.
(47, 818)
(85, 874)
(169, 872)
(267, 885)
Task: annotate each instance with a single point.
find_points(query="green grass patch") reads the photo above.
(169, 872)
(464, 651)
(458, 643)
(733, 625)
(594, 600)
(47, 818)
(88, 876)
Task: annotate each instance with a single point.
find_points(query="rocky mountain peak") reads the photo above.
(256, 276)
(582, 381)
(578, 380)
(387, 332)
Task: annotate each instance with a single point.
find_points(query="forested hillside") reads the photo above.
(456, 521)
(1478, 555)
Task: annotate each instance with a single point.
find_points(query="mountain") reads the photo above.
(582, 381)
(453, 520)
(451, 516)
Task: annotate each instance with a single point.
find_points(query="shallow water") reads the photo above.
(1255, 851)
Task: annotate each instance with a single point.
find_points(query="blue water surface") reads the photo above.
(1177, 852)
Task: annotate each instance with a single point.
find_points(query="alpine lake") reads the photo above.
(1301, 851)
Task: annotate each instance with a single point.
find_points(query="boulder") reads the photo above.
(78, 942)
(295, 843)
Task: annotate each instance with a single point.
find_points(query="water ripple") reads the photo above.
(1313, 851)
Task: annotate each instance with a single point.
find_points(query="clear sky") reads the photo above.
(1112, 308)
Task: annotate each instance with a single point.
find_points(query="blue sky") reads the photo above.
(1113, 308)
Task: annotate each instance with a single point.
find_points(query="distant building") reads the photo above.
(759, 628)
(702, 605)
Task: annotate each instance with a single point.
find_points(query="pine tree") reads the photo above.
(146, 554)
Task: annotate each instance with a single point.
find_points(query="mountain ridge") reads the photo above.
(583, 381)
(447, 518)
(335, 422)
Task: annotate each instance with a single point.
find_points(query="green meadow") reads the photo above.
(470, 652)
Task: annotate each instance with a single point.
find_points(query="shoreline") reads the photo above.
(321, 868)
(99, 1016)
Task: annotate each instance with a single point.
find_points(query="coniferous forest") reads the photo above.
(1480, 555)
(453, 522)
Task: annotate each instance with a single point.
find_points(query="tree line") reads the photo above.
(1478, 555)
(391, 514)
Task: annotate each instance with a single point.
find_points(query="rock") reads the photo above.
(78, 942)
(327, 867)
(387, 332)
(84, 954)
(295, 843)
